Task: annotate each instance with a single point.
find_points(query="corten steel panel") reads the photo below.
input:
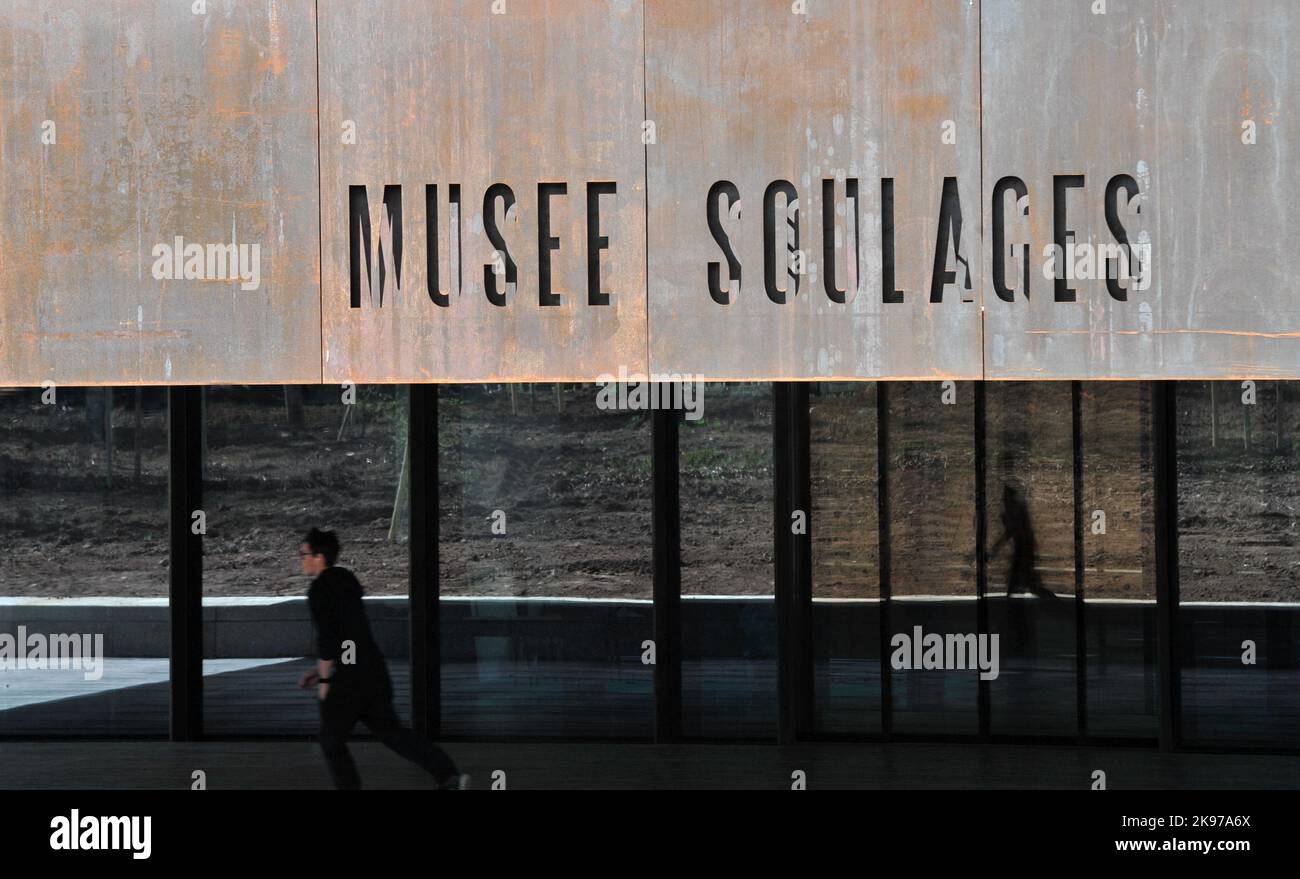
(749, 92)
(1157, 91)
(166, 123)
(449, 93)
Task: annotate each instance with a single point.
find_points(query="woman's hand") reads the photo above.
(308, 679)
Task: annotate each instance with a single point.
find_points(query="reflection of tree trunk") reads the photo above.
(293, 407)
(139, 428)
(203, 432)
(1277, 417)
(1245, 425)
(94, 416)
(399, 502)
(1214, 415)
(108, 435)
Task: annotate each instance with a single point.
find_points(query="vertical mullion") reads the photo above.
(185, 586)
(801, 560)
(782, 552)
(1164, 395)
(886, 556)
(423, 588)
(1080, 620)
(981, 541)
(667, 576)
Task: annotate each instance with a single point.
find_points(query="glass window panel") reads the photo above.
(546, 563)
(728, 590)
(83, 516)
(280, 460)
(1239, 561)
(932, 527)
(1119, 560)
(846, 557)
(1030, 530)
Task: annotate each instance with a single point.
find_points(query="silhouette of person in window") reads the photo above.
(1022, 575)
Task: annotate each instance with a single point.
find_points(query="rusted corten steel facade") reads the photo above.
(545, 190)
(1167, 93)
(125, 125)
(848, 97)
(539, 108)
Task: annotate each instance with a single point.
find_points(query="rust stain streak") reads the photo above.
(1185, 331)
(89, 335)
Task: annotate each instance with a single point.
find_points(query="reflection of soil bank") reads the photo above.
(65, 532)
(573, 489)
(576, 490)
(1239, 492)
(727, 493)
(1239, 508)
(68, 534)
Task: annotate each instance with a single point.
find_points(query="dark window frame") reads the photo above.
(793, 573)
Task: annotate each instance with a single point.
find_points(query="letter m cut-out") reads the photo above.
(382, 271)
